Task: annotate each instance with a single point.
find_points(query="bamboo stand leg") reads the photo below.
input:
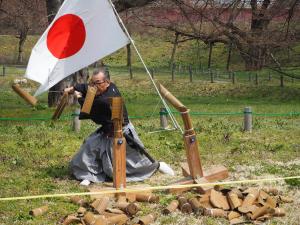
(119, 144)
(119, 162)
(191, 146)
(193, 171)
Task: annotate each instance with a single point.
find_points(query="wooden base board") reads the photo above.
(215, 173)
(183, 181)
(210, 175)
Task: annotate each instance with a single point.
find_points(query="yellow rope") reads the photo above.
(127, 190)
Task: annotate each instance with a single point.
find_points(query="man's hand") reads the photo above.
(78, 94)
(69, 90)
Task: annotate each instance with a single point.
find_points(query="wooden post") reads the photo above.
(152, 73)
(3, 70)
(191, 146)
(248, 119)
(229, 56)
(119, 144)
(211, 76)
(130, 72)
(163, 118)
(281, 80)
(229, 75)
(191, 73)
(209, 55)
(175, 44)
(270, 76)
(76, 121)
(189, 137)
(173, 71)
(256, 79)
(233, 77)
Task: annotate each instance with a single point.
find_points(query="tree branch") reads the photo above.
(122, 5)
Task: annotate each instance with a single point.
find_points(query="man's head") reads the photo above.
(99, 80)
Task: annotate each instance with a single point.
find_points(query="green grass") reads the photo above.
(34, 155)
(155, 51)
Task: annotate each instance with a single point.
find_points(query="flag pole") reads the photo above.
(176, 125)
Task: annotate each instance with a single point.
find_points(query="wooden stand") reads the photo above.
(119, 145)
(192, 170)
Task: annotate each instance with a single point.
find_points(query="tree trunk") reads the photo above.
(55, 93)
(209, 55)
(199, 54)
(20, 52)
(255, 56)
(229, 56)
(129, 62)
(175, 44)
(52, 8)
(122, 5)
(22, 39)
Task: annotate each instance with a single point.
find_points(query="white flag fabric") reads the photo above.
(82, 32)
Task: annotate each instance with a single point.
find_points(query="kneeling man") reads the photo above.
(93, 162)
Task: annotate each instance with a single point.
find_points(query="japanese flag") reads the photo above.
(82, 32)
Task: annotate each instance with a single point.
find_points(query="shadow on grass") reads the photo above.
(57, 171)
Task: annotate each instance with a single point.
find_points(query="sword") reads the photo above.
(131, 141)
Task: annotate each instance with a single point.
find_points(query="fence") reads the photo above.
(246, 122)
(190, 73)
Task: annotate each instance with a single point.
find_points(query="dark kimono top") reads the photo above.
(101, 111)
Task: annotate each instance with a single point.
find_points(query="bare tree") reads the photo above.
(254, 28)
(122, 5)
(20, 15)
(52, 8)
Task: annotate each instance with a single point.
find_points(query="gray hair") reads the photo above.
(103, 70)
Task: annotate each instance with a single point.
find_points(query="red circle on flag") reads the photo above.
(66, 36)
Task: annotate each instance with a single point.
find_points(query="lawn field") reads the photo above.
(155, 50)
(34, 154)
